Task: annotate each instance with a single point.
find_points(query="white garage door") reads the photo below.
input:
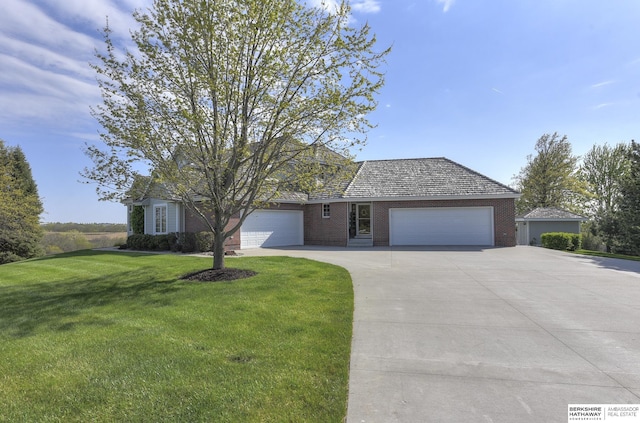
(441, 226)
(272, 228)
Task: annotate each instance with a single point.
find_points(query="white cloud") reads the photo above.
(366, 6)
(602, 84)
(45, 50)
(362, 6)
(330, 5)
(446, 4)
(603, 105)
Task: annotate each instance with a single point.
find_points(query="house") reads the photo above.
(533, 224)
(431, 201)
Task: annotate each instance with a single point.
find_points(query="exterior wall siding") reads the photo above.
(173, 216)
(536, 229)
(503, 217)
(331, 231)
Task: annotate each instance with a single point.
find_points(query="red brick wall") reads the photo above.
(194, 223)
(330, 231)
(503, 217)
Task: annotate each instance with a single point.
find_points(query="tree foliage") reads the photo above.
(628, 215)
(223, 100)
(604, 170)
(20, 207)
(549, 178)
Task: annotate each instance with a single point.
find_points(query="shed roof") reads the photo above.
(550, 213)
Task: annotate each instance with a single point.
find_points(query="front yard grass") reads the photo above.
(106, 336)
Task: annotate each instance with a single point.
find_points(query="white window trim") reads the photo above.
(326, 216)
(166, 219)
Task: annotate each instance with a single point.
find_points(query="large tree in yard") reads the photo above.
(224, 101)
(20, 207)
(549, 178)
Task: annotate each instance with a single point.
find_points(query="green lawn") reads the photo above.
(609, 255)
(97, 336)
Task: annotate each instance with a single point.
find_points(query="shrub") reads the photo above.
(576, 240)
(561, 241)
(187, 242)
(204, 241)
(143, 242)
(59, 242)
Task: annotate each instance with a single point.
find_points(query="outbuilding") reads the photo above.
(542, 220)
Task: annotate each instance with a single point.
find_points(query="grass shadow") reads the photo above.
(26, 308)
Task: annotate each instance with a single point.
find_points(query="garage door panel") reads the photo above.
(441, 226)
(272, 228)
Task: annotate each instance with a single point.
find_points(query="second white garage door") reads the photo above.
(441, 226)
(272, 228)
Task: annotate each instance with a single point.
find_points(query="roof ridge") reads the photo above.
(406, 159)
(362, 163)
(559, 209)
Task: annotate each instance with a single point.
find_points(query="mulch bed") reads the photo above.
(218, 275)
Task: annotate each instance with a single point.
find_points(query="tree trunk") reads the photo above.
(218, 252)
(218, 242)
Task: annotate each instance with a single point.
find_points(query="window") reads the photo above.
(326, 210)
(160, 219)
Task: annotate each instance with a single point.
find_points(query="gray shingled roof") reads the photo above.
(430, 177)
(551, 213)
(402, 179)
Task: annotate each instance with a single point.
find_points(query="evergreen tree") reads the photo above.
(628, 217)
(549, 178)
(20, 207)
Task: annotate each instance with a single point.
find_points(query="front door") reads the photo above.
(363, 220)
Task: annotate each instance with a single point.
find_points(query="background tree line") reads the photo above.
(603, 185)
(84, 227)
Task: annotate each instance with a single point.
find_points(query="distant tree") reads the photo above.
(603, 170)
(549, 178)
(20, 207)
(222, 98)
(628, 215)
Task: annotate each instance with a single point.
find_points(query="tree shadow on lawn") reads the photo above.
(26, 308)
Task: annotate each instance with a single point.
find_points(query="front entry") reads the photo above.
(360, 220)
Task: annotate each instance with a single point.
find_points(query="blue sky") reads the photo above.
(477, 81)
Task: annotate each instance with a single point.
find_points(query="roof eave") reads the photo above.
(415, 198)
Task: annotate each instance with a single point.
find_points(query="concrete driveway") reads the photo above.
(487, 335)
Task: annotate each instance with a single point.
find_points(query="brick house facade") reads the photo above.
(361, 212)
